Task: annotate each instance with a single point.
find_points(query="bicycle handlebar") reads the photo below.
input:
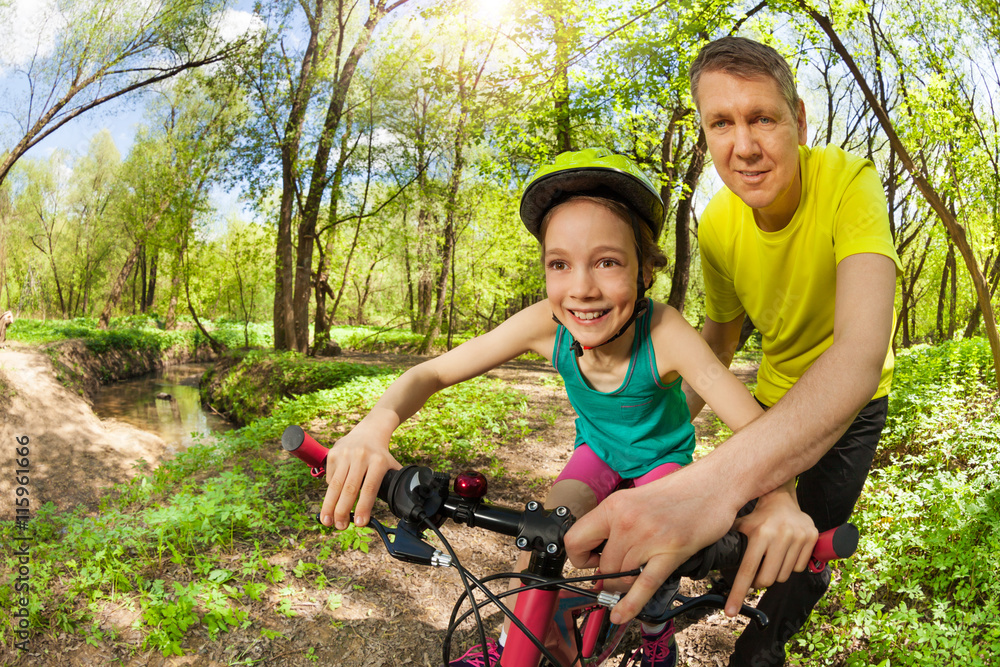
(415, 494)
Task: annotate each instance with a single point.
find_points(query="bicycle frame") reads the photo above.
(552, 615)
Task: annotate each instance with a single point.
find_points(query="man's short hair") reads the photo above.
(747, 59)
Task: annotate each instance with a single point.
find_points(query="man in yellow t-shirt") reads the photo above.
(786, 279)
(799, 241)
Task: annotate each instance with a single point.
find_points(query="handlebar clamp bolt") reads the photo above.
(562, 511)
(522, 543)
(533, 506)
(552, 547)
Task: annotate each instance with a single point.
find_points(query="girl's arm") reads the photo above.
(781, 536)
(359, 460)
(680, 349)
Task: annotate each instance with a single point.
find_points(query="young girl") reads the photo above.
(622, 356)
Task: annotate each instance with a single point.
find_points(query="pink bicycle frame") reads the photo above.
(550, 615)
(535, 608)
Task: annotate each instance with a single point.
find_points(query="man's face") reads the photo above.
(753, 138)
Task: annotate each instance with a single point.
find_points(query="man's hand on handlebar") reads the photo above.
(354, 469)
(642, 530)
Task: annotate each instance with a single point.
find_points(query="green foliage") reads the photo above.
(251, 384)
(233, 333)
(373, 339)
(942, 406)
(140, 333)
(923, 581)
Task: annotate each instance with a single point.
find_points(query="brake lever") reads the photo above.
(405, 542)
(661, 607)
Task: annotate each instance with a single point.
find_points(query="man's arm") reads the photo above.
(661, 524)
(794, 434)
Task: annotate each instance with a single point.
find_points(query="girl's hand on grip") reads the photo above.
(354, 469)
(780, 540)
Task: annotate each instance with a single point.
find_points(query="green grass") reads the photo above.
(923, 584)
(374, 339)
(134, 332)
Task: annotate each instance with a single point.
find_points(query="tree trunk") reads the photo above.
(682, 226)
(451, 307)
(955, 230)
(117, 287)
(175, 284)
(135, 280)
(970, 328)
(141, 276)
(318, 180)
(447, 253)
(119, 284)
(321, 278)
(151, 286)
(216, 346)
(561, 106)
(347, 268)
(450, 235)
(50, 253)
(943, 292)
(363, 295)
(909, 304)
(282, 313)
(425, 281)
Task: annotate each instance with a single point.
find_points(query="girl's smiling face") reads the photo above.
(591, 268)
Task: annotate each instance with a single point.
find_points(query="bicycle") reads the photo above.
(554, 620)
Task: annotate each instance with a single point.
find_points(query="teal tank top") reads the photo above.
(640, 425)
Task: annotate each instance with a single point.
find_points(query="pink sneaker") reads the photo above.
(474, 656)
(660, 649)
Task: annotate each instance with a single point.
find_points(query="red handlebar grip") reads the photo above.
(839, 542)
(301, 445)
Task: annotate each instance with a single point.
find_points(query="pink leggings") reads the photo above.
(586, 466)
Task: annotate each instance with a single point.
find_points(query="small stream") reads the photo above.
(174, 419)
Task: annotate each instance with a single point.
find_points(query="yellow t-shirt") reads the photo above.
(786, 281)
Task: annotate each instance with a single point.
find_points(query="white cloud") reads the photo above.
(32, 27)
(234, 24)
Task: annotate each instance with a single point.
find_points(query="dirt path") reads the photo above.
(374, 610)
(73, 454)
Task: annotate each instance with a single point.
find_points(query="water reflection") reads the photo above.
(165, 402)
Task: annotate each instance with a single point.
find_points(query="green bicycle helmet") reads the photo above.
(594, 171)
(597, 172)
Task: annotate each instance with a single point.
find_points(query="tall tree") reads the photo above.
(81, 55)
(465, 80)
(337, 39)
(94, 186)
(922, 177)
(171, 171)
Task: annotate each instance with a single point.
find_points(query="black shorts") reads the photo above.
(829, 490)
